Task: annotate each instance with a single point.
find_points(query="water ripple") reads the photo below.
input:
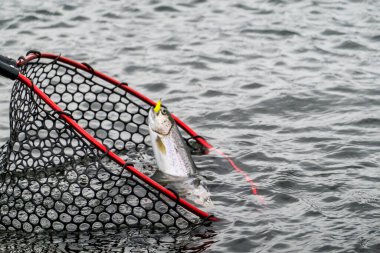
(288, 88)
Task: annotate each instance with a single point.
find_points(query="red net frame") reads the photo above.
(67, 118)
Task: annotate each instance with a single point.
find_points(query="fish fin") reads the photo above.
(161, 145)
(197, 182)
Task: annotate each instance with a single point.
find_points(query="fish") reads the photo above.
(176, 169)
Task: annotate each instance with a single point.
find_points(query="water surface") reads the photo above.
(289, 88)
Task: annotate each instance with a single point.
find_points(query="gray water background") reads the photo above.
(289, 88)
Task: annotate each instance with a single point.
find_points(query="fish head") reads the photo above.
(160, 119)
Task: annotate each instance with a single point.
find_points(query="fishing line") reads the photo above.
(247, 178)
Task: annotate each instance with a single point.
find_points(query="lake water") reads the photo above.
(289, 88)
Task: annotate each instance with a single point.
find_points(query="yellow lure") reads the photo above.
(158, 106)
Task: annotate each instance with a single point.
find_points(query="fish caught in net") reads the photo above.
(61, 168)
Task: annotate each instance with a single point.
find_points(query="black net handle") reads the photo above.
(8, 68)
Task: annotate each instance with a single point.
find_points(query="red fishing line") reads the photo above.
(239, 170)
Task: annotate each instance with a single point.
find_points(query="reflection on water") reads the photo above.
(131, 240)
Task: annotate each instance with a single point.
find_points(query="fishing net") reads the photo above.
(52, 178)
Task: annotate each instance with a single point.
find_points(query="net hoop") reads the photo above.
(100, 146)
(42, 121)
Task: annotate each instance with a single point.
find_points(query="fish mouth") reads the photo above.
(152, 123)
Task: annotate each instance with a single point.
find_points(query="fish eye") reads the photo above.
(164, 111)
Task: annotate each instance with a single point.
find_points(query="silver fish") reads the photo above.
(176, 168)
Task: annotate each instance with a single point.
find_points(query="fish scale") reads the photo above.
(176, 161)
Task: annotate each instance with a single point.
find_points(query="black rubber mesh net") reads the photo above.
(53, 179)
